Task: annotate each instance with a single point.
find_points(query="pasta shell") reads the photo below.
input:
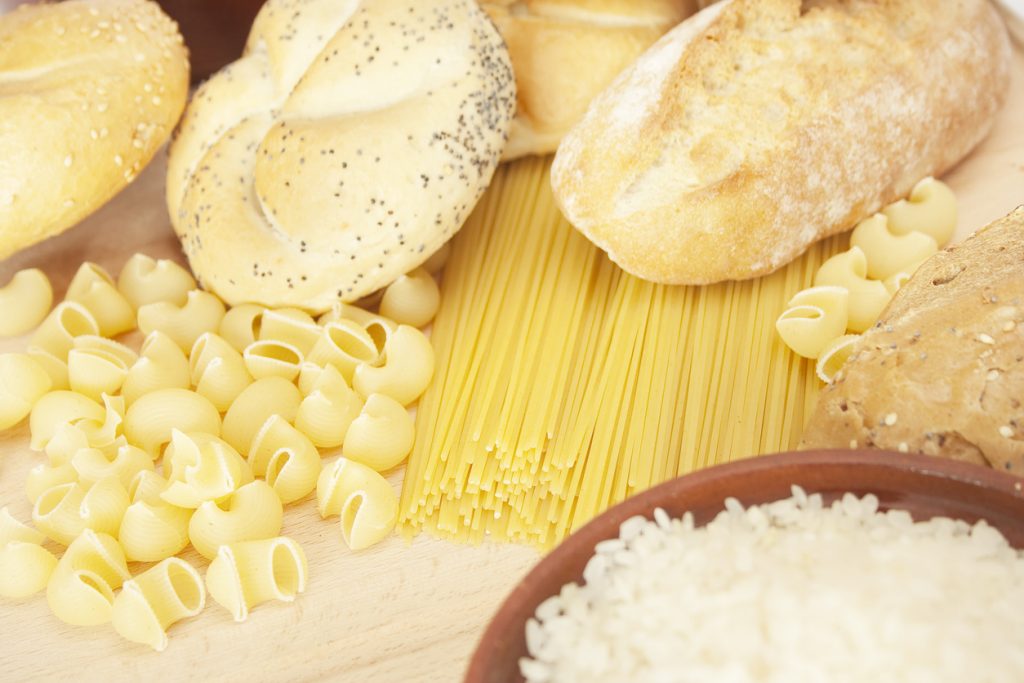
(814, 318)
(382, 435)
(144, 280)
(57, 332)
(217, 370)
(246, 574)
(153, 530)
(887, 253)
(405, 369)
(251, 513)
(273, 359)
(57, 408)
(344, 344)
(81, 589)
(98, 343)
(93, 288)
(42, 478)
(868, 298)
(893, 283)
(157, 598)
(931, 209)
(202, 312)
(241, 325)
(202, 468)
(22, 382)
(412, 299)
(153, 416)
(25, 301)
(290, 326)
(328, 408)
(123, 462)
(64, 511)
(832, 359)
(25, 569)
(12, 530)
(162, 366)
(92, 372)
(365, 501)
(286, 458)
(261, 399)
(147, 485)
(437, 261)
(66, 442)
(56, 368)
(106, 432)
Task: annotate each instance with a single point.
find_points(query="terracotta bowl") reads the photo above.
(924, 486)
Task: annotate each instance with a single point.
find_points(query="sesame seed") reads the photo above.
(1009, 326)
(992, 375)
(68, 160)
(890, 419)
(118, 160)
(853, 443)
(1006, 431)
(904, 448)
(986, 339)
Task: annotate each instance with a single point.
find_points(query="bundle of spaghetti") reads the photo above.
(564, 385)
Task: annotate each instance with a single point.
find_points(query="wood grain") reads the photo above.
(396, 612)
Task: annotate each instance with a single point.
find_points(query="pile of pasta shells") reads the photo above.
(200, 436)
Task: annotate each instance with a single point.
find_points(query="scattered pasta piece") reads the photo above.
(153, 416)
(887, 253)
(55, 367)
(65, 443)
(931, 209)
(93, 372)
(365, 501)
(241, 325)
(412, 299)
(246, 574)
(25, 566)
(329, 405)
(344, 344)
(158, 597)
(120, 461)
(202, 312)
(25, 301)
(272, 358)
(44, 477)
(202, 467)
(144, 280)
(251, 513)
(360, 316)
(868, 298)
(161, 365)
(22, 382)
(290, 326)
(382, 435)
(65, 511)
(56, 334)
(81, 589)
(217, 370)
(814, 318)
(261, 399)
(895, 281)
(105, 432)
(834, 357)
(286, 458)
(151, 529)
(93, 288)
(54, 409)
(438, 259)
(405, 370)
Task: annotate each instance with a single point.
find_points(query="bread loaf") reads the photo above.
(564, 52)
(942, 373)
(89, 91)
(757, 127)
(348, 144)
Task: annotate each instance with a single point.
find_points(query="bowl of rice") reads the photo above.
(811, 566)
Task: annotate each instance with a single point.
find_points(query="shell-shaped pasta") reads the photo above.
(405, 369)
(202, 312)
(162, 365)
(242, 325)
(147, 485)
(344, 344)
(12, 530)
(64, 511)
(202, 468)
(382, 435)
(57, 408)
(93, 372)
(261, 399)
(329, 407)
(25, 569)
(363, 498)
(888, 253)
(105, 433)
(25, 301)
(251, 513)
(160, 596)
(22, 382)
(57, 332)
(123, 462)
(43, 477)
(291, 326)
(93, 288)
(81, 589)
(217, 370)
(931, 209)
(438, 259)
(56, 368)
(153, 416)
(271, 358)
(246, 574)
(868, 298)
(153, 530)
(814, 318)
(412, 299)
(94, 341)
(286, 458)
(894, 282)
(144, 280)
(834, 356)
(65, 443)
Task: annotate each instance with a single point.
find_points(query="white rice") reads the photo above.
(788, 592)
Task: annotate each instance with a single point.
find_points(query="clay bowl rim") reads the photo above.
(900, 480)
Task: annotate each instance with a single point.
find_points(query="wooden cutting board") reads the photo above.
(395, 612)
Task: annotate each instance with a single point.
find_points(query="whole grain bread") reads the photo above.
(757, 127)
(942, 373)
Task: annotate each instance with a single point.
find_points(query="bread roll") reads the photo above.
(757, 127)
(565, 52)
(89, 91)
(942, 373)
(348, 144)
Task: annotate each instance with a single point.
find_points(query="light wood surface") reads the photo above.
(396, 612)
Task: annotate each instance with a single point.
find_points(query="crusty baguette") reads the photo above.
(89, 91)
(565, 52)
(757, 127)
(942, 373)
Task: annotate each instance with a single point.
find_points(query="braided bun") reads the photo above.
(349, 143)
